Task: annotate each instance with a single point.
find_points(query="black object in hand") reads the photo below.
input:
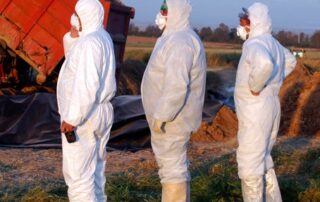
(71, 136)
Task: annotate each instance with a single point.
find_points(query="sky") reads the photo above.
(289, 15)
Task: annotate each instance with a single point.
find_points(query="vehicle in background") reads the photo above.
(31, 32)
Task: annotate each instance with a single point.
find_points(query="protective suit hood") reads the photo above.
(178, 15)
(91, 14)
(260, 21)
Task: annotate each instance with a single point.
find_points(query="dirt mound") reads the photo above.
(300, 97)
(223, 127)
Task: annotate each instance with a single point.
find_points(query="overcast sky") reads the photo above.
(293, 15)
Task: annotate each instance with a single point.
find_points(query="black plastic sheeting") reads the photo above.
(33, 121)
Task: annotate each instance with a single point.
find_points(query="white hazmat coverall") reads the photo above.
(173, 89)
(263, 66)
(86, 84)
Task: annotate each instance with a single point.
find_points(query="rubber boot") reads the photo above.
(252, 189)
(179, 192)
(272, 187)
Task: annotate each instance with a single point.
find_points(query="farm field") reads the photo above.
(36, 174)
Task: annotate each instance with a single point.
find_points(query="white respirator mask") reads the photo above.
(242, 33)
(161, 21)
(74, 21)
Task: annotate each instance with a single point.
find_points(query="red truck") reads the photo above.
(33, 30)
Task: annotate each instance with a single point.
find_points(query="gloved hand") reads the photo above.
(255, 94)
(157, 126)
(74, 33)
(66, 127)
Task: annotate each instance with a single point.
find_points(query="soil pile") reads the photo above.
(300, 104)
(223, 127)
(299, 97)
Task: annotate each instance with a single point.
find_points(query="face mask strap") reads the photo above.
(80, 24)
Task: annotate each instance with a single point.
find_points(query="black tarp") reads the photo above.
(33, 121)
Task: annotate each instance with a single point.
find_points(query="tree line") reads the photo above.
(223, 33)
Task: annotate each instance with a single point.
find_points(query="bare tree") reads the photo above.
(206, 33)
(287, 38)
(134, 30)
(152, 30)
(315, 39)
(221, 33)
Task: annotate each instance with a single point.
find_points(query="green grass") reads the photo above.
(222, 59)
(215, 180)
(127, 187)
(138, 55)
(223, 51)
(312, 54)
(302, 183)
(140, 45)
(40, 192)
(311, 164)
(214, 59)
(312, 193)
(6, 168)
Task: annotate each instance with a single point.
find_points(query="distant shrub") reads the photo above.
(130, 78)
(139, 55)
(213, 59)
(222, 59)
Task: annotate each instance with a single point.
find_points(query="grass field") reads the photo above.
(218, 54)
(214, 180)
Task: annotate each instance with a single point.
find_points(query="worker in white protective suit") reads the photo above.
(85, 87)
(263, 66)
(173, 89)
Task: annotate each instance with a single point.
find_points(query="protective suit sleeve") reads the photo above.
(68, 42)
(290, 62)
(261, 67)
(178, 64)
(86, 83)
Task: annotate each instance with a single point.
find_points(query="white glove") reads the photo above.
(157, 126)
